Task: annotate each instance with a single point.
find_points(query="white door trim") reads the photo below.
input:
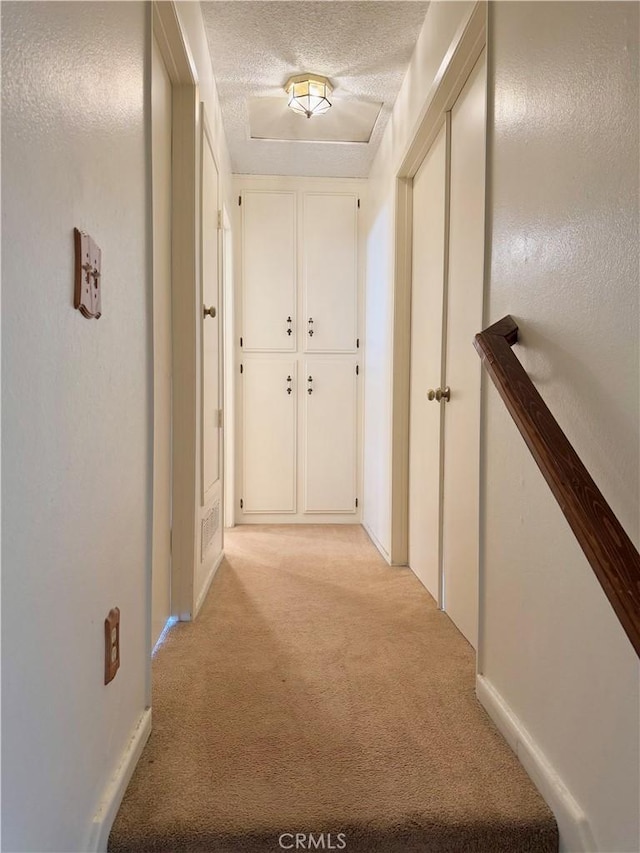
(185, 292)
(466, 47)
(161, 131)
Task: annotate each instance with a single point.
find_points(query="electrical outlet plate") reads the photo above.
(111, 644)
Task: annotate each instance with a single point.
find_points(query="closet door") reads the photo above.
(425, 417)
(329, 270)
(269, 434)
(446, 312)
(329, 390)
(461, 510)
(269, 271)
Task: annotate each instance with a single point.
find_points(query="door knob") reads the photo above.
(209, 312)
(440, 394)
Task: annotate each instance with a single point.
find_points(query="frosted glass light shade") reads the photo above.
(309, 94)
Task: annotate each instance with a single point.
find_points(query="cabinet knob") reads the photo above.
(440, 394)
(209, 312)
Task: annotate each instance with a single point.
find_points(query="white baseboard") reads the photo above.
(375, 541)
(575, 832)
(248, 518)
(114, 792)
(207, 584)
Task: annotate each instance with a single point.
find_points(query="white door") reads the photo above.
(161, 179)
(330, 272)
(429, 187)
(269, 403)
(464, 320)
(268, 271)
(446, 312)
(330, 425)
(211, 338)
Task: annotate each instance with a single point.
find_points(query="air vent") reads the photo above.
(208, 529)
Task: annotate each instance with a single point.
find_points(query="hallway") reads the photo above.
(320, 691)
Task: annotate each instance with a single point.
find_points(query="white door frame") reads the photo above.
(467, 46)
(161, 131)
(167, 31)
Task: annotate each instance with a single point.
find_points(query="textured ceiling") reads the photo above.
(363, 47)
(346, 121)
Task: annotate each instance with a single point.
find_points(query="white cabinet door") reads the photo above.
(330, 276)
(269, 435)
(269, 271)
(330, 423)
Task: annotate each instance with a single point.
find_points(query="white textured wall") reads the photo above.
(563, 155)
(441, 23)
(75, 411)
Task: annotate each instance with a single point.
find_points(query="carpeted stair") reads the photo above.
(321, 692)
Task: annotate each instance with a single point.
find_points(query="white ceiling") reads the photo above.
(363, 47)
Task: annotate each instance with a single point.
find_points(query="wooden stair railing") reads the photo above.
(611, 553)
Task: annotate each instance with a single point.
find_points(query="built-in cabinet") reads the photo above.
(299, 351)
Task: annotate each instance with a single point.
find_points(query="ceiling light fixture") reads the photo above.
(309, 94)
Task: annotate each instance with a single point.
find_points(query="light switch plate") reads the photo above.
(111, 644)
(88, 271)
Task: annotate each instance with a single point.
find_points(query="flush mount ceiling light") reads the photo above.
(309, 94)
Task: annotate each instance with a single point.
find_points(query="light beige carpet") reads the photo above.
(322, 692)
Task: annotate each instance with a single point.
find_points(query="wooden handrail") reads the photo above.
(611, 553)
